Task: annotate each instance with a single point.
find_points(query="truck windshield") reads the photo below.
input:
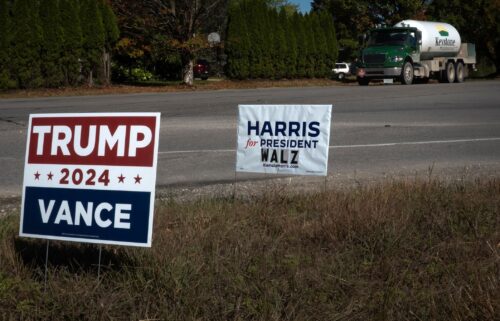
(387, 37)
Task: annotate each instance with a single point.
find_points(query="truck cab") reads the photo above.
(386, 53)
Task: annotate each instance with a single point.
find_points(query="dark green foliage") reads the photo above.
(93, 37)
(302, 48)
(279, 49)
(267, 39)
(326, 23)
(42, 43)
(111, 31)
(5, 80)
(255, 30)
(260, 39)
(71, 40)
(237, 45)
(27, 33)
(311, 47)
(280, 44)
(321, 48)
(291, 46)
(51, 46)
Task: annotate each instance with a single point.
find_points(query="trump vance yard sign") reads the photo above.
(91, 177)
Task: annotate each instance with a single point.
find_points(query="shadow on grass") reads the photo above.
(75, 258)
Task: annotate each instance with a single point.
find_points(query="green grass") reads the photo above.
(401, 250)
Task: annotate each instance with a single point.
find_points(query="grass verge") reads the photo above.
(402, 250)
(162, 87)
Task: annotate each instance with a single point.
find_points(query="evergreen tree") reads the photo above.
(302, 48)
(279, 48)
(26, 47)
(255, 20)
(71, 41)
(5, 80)
(237, 44)
(321, 49)
(111, 37)
(261, 33)
(327, 25)
(269, 35)
(311, 47)
(112, 33)
(93, 38)
(51, 45)
(291, 46)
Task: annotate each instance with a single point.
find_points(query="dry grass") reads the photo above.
(170, 87)
(396, 251)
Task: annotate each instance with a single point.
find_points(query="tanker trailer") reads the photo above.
(416, 51)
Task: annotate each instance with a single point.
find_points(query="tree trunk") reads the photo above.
(66, 77)
(187, 72)
(91, 78)
(106, 68)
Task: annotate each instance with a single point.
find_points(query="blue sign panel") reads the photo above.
(92, 214)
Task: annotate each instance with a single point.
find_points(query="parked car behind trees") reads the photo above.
(341, 70)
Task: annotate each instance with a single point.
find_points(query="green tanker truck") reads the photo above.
(415, 51)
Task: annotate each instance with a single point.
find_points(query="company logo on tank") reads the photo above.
(446, 42)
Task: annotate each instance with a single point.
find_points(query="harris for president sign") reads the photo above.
(284, 139)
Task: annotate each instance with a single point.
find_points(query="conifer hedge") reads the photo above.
(263, 42)
(52, 43)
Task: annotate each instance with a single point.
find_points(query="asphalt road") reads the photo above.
(377, 131)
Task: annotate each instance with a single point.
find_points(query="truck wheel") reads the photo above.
(363, 81)
(459, 72)
(407, 73)
(449, 73)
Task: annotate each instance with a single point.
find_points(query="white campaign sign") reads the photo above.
(284, 139)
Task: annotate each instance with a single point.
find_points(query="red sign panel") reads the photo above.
(111, 140)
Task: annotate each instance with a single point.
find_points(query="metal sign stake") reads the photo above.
(99, 264)
(46, 264)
